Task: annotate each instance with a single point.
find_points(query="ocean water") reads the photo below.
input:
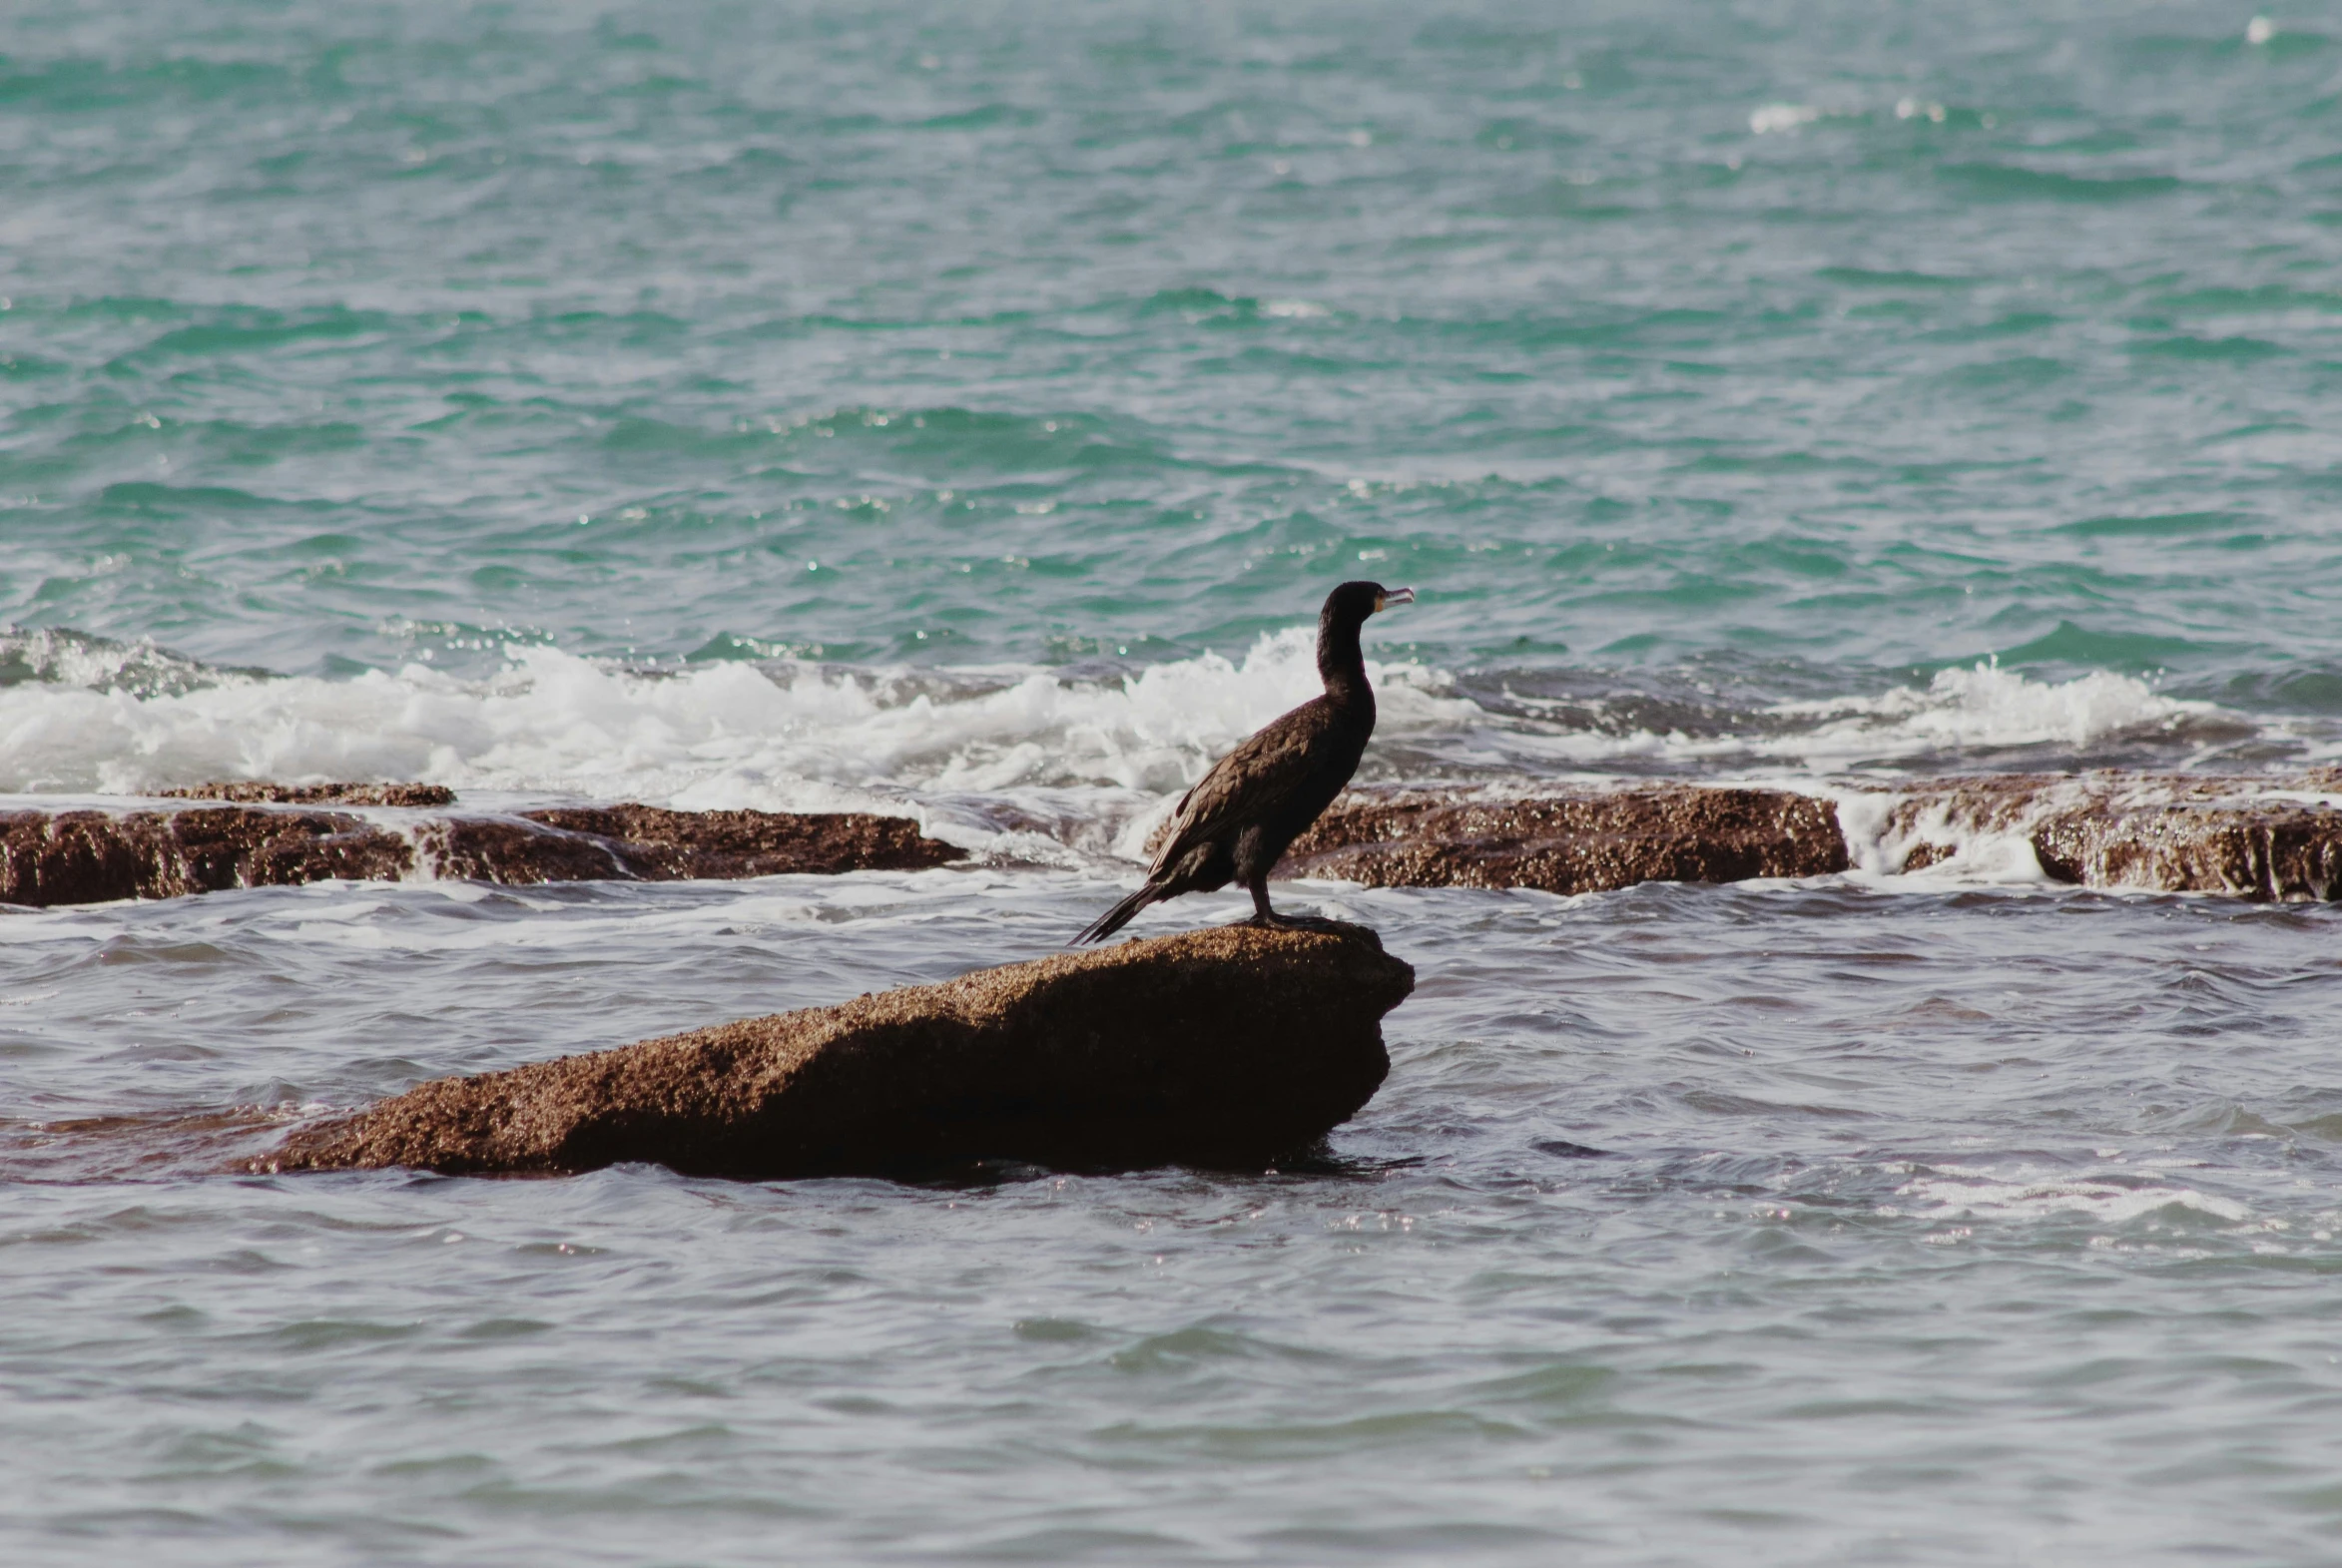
(960, 411)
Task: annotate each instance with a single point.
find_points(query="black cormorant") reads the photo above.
(1235, 824)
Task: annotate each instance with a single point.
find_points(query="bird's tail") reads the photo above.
(1117, 917)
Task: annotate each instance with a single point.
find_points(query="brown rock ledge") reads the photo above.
(1572, 843)
(1229, 1047)
(2251, 836)
(2284, 855)
(2245, 836)
(2165, 832)
(74, 858)
(646, 844)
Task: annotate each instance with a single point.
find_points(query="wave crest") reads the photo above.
(1987, 708)
(780, 736)
(59, 656)
(83, 714)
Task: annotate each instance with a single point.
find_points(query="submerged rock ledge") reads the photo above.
(1229, 1046)
(90, 856)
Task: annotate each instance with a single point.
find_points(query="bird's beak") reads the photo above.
(1395, 596)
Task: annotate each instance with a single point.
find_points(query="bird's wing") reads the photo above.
(1242, 786)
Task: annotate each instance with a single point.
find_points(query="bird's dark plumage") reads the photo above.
(1235, 824)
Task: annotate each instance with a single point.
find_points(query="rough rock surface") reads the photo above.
(2250, 837)
(73, 858)
(2266, 853)
(646, 844)
(1572, 843)
(1228, 1046)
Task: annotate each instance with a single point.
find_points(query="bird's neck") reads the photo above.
(1342, 667)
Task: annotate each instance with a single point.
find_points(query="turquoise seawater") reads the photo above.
(962, 409)
(1838, 336)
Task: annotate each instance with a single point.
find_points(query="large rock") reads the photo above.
(74, 858)
(1579, 843)
(1230, 1046)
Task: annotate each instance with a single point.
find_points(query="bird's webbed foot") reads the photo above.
(1273, 921)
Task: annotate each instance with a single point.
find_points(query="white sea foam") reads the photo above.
(1977, 709)
(1880, 840)
(1767, 119)
(788, 736)
(1983, 707)
(955, 744)
(59, 656)
(1953, 1191)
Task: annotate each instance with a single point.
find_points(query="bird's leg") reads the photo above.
(1263, 915)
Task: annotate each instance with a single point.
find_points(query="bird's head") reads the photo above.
(1352, 603)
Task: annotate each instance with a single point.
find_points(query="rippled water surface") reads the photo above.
(961, 412)
(1781, 1224)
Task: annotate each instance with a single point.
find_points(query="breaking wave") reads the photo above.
(59, 656)
(1980, 713)
(784, 733)
(81, 714)
(1987, 708)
